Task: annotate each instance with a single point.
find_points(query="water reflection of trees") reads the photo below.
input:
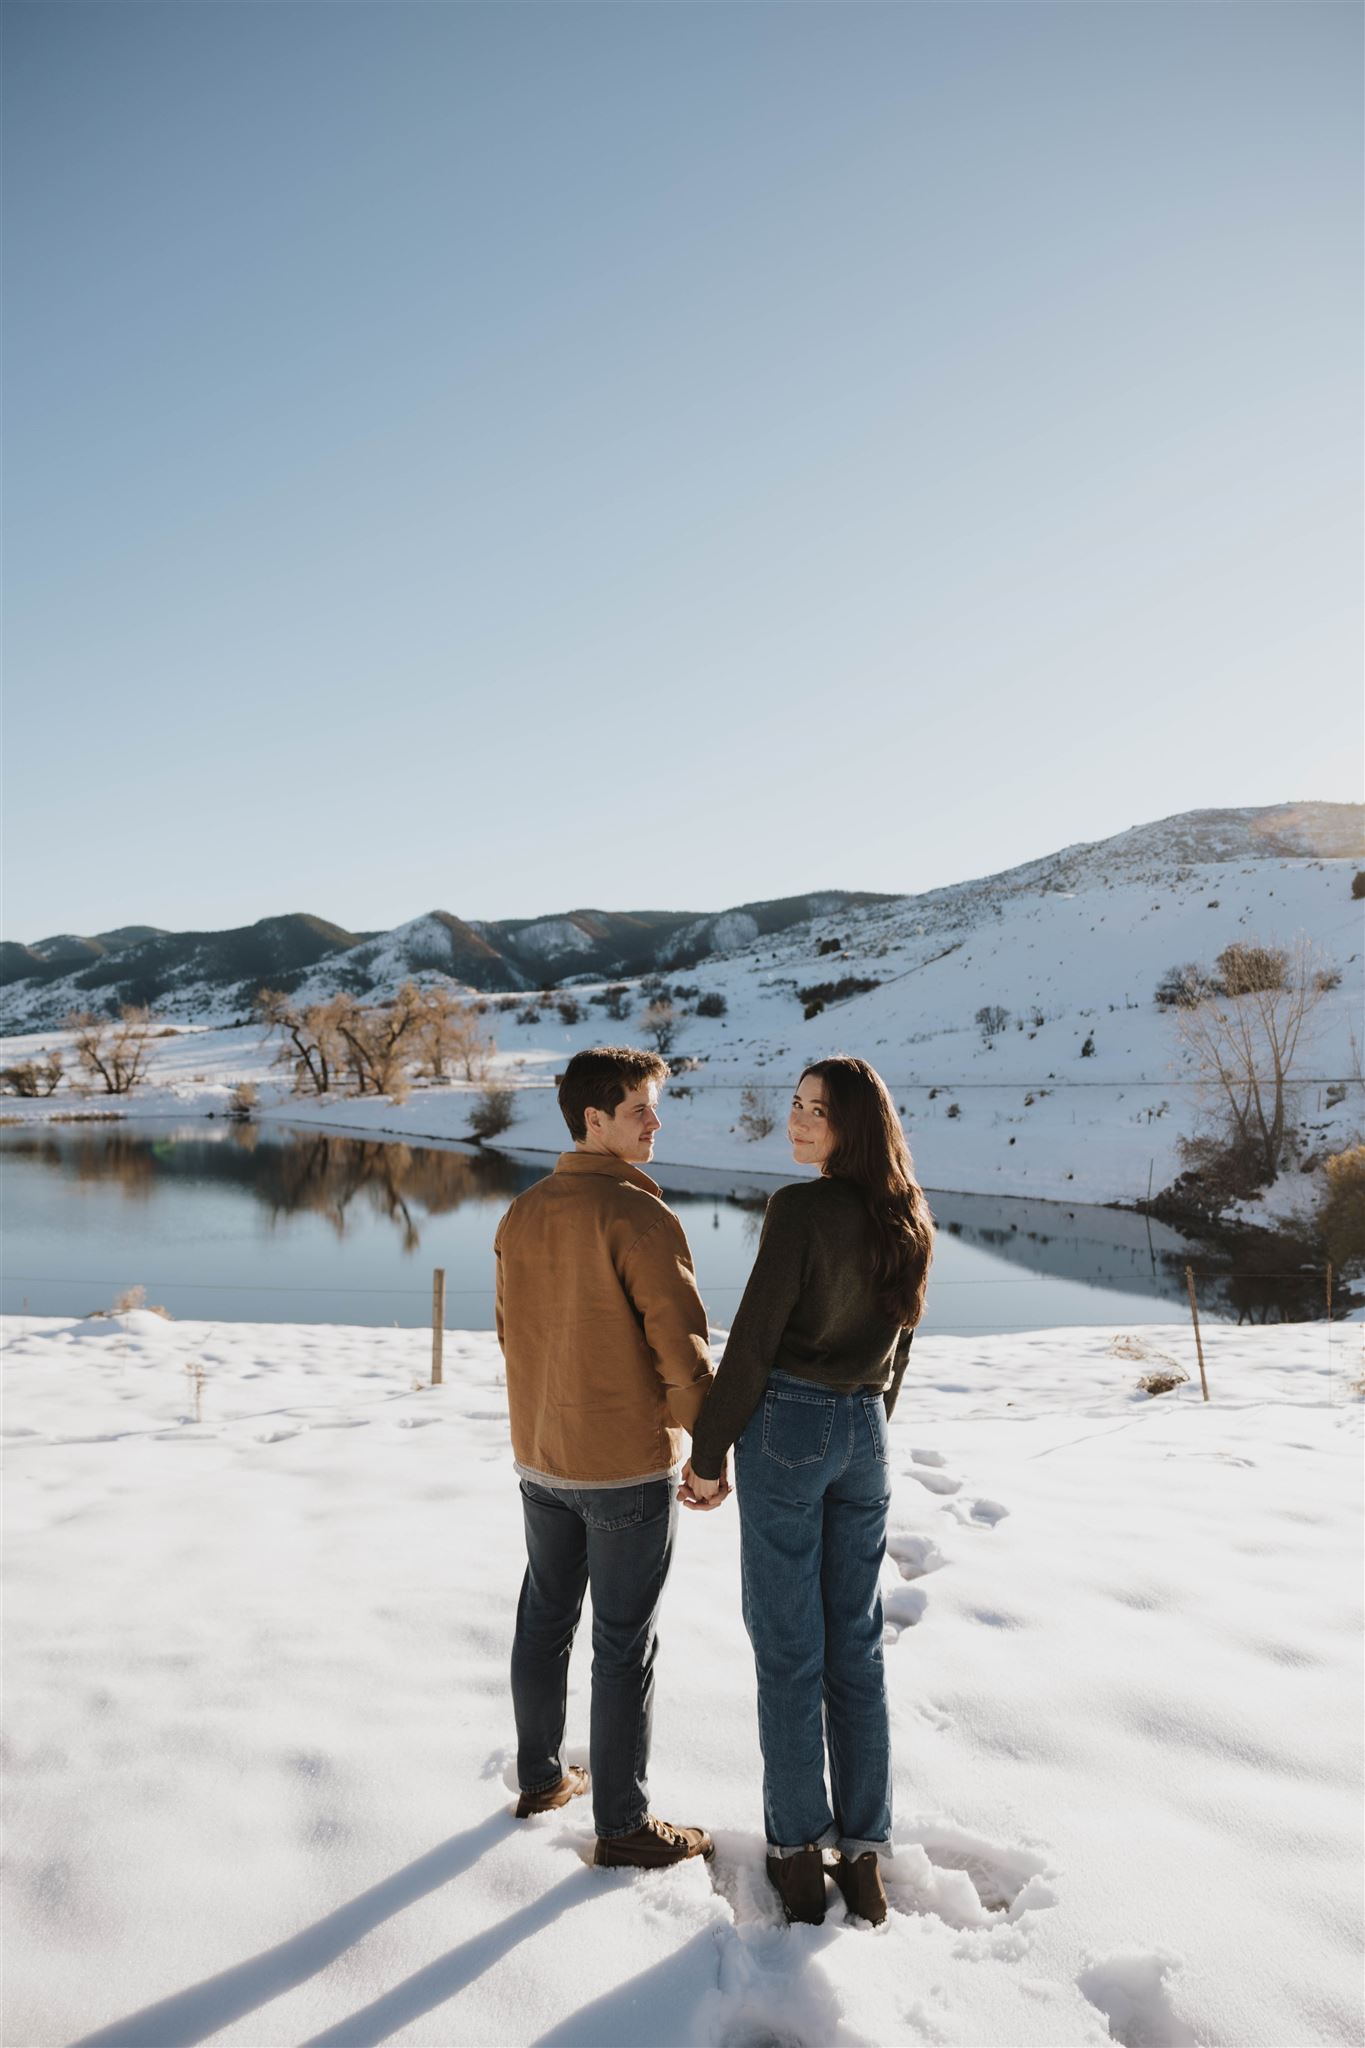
(330, 1177)
(87, 1159)
(335, 1178)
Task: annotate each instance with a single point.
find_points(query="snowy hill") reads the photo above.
(1078, 1091)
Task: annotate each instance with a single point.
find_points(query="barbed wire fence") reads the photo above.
(1335, 1315)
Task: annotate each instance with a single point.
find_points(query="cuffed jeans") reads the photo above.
(813, 1483)
(617, 1541)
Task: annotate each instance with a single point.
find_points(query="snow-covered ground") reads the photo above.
(261, 1582)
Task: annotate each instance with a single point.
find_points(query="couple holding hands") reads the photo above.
(605, 1341)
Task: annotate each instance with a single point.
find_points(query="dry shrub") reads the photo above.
(1341, 1215)
(756, 1115)
(1163, 1381)
(493, 1113)
(136, 1298)
(33, 1077)
(242, 1102)
(1165, 1375)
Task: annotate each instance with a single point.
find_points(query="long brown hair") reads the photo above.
(870, 1150)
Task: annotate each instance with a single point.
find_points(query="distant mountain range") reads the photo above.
(140, 964)
(216, 975)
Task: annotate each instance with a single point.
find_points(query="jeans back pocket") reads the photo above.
(875, 1411)
(796, 1426)
(612, 1507)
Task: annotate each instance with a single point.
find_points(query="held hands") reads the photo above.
(696, 1492)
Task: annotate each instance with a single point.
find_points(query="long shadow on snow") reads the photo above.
(657, 2009)
(449, 1974)
(189, 2016)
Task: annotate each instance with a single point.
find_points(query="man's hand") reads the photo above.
(696, 1492)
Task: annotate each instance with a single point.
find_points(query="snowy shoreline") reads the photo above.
(260, 1588)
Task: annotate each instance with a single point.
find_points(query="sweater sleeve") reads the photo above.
(658, 1276)
(771, 1295)
(898, 1365)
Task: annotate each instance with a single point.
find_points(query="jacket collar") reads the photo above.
(606, 1163)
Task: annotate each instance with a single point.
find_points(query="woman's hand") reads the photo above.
(696, 1492)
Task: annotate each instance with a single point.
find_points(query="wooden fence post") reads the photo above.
(438, 1323)
(1198, 1340)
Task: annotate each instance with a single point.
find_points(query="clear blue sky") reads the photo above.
(506, 458)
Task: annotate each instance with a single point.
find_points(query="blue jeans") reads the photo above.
(814, 1486)
(618, 1541)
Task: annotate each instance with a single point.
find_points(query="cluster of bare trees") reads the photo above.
(1245, 1030)
(376, 1048)
(111, 1056)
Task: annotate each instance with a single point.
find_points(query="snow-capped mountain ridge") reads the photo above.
(211, 977)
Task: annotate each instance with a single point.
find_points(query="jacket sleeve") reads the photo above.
(898, 1365)
(769, 1298)
(499, 1315)
(658, 1276)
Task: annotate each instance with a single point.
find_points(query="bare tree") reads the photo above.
(312, 1051)
(380, 1039)
(1244, 1043)
(661, 1023)
(992, 1019)
(449, 1034)
(112, 1051)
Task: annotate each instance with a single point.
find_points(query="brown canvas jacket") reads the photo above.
(601, 1326)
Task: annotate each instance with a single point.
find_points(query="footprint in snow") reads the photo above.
(965, 1879)
(934, 1481)
(902, 1607)
(1129, 1988)
(927, 1457)
(915, 1556)
(740, 1880)
(981, 1514)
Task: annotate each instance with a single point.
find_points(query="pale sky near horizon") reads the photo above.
(511, 458)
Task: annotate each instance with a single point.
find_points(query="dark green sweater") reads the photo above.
(809, 1309)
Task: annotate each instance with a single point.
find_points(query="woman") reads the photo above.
(810, 1374)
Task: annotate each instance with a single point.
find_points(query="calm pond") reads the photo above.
(249, 1223)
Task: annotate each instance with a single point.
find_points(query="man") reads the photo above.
(605, 1340)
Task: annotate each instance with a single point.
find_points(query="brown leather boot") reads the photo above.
(860, 1881)
(652, 1846)
(799, 1882)
(574, 1781)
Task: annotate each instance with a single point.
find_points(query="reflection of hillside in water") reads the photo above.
(1098, 1247)
(1115, 1248)
(287, 1173)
